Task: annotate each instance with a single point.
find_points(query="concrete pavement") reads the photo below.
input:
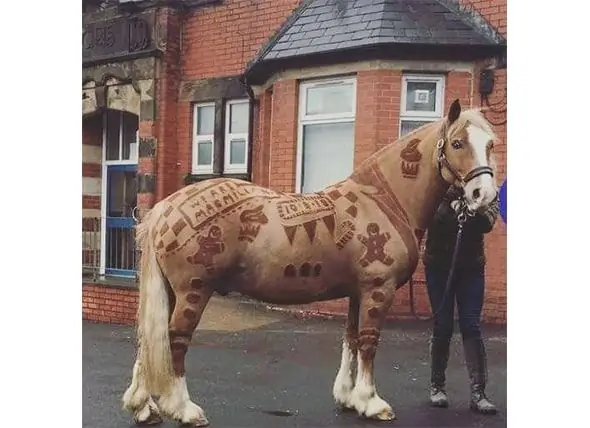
(249, 367)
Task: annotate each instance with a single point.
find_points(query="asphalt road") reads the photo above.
(249, 368)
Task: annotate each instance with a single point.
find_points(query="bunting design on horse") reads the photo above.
(356, 239)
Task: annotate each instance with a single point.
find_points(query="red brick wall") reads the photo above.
(283, 137)
(167, 84)
(377, 111)
(495, 13)
(219, 41)
(377, 124)
(102, 303)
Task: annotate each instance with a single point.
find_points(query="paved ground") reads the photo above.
(253, 368)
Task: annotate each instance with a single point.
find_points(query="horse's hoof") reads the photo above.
(154, 418)
(385, 415)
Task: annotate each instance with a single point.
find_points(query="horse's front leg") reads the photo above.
(344, 379)
(374, 303)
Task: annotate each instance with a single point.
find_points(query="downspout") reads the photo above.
(253, 103)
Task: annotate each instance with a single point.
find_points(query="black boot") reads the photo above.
(439, 357)
(475, 357)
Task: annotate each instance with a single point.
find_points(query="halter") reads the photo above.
(442, 161)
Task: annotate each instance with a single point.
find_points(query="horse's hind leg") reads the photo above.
(138, 399)
(191, 300)
(374, 303)
(344, 381)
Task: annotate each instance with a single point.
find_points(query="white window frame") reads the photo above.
(133, 147)
(305, 119)
(197, 139)
(228, 137)
(422, 116)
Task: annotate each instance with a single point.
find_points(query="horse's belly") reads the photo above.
(295, 283)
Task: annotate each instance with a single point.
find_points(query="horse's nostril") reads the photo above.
(476, 194)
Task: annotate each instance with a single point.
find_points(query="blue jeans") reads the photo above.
(467, 289)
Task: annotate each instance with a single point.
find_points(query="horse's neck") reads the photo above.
(421, 194)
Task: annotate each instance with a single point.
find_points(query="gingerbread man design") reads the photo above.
(375, 243)
(209, 246)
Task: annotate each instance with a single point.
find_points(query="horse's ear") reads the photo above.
(454, 111)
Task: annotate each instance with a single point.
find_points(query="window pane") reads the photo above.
(113, 128)
(205, 120)
(204, 153)
(130, 126)
(421, 96)
(330, 99)
(237, 151)
(410, 125)
(238, 118)
(122, 193)
(328, 154)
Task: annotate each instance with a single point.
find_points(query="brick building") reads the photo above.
(181, 91)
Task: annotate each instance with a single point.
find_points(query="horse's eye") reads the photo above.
(457, 144)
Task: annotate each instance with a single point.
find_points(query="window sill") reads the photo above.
(195, 178)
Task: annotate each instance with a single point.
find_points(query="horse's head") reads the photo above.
(464, 155)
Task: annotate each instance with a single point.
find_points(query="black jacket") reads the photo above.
(442, 233)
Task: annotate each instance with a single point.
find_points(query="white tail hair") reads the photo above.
(153, 312)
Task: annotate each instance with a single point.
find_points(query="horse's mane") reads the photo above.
(473, 116)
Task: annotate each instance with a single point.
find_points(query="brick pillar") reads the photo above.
(262, 140)
(283, 136)
(459, 86)
(146, 167)
(168, 81)
(377, 111)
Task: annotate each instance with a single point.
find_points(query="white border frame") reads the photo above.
(303, 119)
(133, 160)
(227, 166)
(422, 116)
(196, 139)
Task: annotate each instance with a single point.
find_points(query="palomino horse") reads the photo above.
(358, 239)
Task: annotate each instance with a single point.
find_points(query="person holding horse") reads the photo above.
(466, 288)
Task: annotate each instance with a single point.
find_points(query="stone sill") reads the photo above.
(109, 281)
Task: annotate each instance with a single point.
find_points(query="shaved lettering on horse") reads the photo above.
(358, 239)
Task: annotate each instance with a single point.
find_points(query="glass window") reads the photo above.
(238, 113)
(205, 120)
(421, 96)
(422, 101)
(203, 138)
(236, 136)
(329, 99)
(326, 133)
(328, 154)
(113, 125)
(237, 151)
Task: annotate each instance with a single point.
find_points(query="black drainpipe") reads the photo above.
(253, 103)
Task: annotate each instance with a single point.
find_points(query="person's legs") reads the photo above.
(443, 306)
(470, 296)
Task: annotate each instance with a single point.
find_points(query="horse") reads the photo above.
(357, 239)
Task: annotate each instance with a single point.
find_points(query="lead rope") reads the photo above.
(461, 219)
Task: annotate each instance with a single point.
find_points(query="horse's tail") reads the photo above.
(153, 316)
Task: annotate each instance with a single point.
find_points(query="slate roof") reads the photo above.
(323, 26)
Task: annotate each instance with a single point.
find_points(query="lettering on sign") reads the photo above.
(117, 37)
